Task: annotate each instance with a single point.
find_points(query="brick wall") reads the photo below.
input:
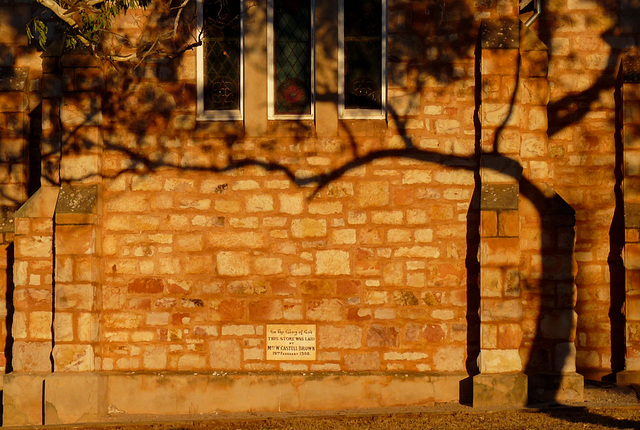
(477, 221)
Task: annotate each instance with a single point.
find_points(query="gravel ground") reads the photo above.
(605, 406)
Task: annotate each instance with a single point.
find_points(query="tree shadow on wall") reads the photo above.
(149, 115)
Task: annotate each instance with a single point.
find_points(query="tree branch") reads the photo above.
(63, 14)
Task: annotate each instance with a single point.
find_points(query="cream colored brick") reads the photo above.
(146, 183)
(157, 318)
(227, 206)
(373, 193)
(450, 359)
(325, 208)
(416, 177)
(233, 263)
(40, 325)
(417, 216)
(236, 239)
(300, 269)
(423, 235)
(417, 251)
(398, 235)
(63, 327)
(259, 203)
(248, 222)
(274, 221)
(267, 266)
(238, 330)
(345, 236)
(19, 327)
(387, 217)
(291, 203)
(410, 356)
(333, 262)
(309, 227)
(191, 362)
(245, 185)
(154, 357)
(356, 218)
(347, 337)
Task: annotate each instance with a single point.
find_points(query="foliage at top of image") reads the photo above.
(89, 24)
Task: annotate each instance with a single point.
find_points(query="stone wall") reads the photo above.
(471, 233)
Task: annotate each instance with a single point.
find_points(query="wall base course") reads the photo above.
(175, 393)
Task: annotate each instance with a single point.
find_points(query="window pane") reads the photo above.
(292, 29)
(363, 54)
(221, 55)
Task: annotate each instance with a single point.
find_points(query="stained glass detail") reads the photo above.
(363, 54)
(222, 47)
(292, 30)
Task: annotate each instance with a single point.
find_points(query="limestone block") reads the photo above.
(325, 208)
(63, 327)
(80, 167)
(33, 246)
(632, 256)
(556, 387)
(378, 335)
(246, 239)
(81, 109)
(416, 177)
(267, 266)
(499, 61)
(259, 203)
(77, 358)
(74, 398)
(40, 323)
(450, 359)
(373, 193)
(291, 203)
(387, 217)
(500, 251)
(325, 310)
(233, 263)
(32, 356)
(506, 389)
(488, 223)
(491, 282)
(501, 310)
(333, 262)
(417, 252)
(500, 114)
(500, 360)
(565, 357)
(309, 227)
(559, 325)
(22, 399)
(404, 104)
(74, 296)
(362, 361)
(225, 354)
(266, 310)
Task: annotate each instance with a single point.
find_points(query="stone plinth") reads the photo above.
(500, 389)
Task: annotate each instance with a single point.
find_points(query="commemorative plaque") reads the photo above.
(291, 342)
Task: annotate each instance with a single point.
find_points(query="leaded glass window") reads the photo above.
(291, 57)
(221, 56)
(363, 57)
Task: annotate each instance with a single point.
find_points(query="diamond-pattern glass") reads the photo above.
(363, 54)
(222, 55)
(292, 28)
